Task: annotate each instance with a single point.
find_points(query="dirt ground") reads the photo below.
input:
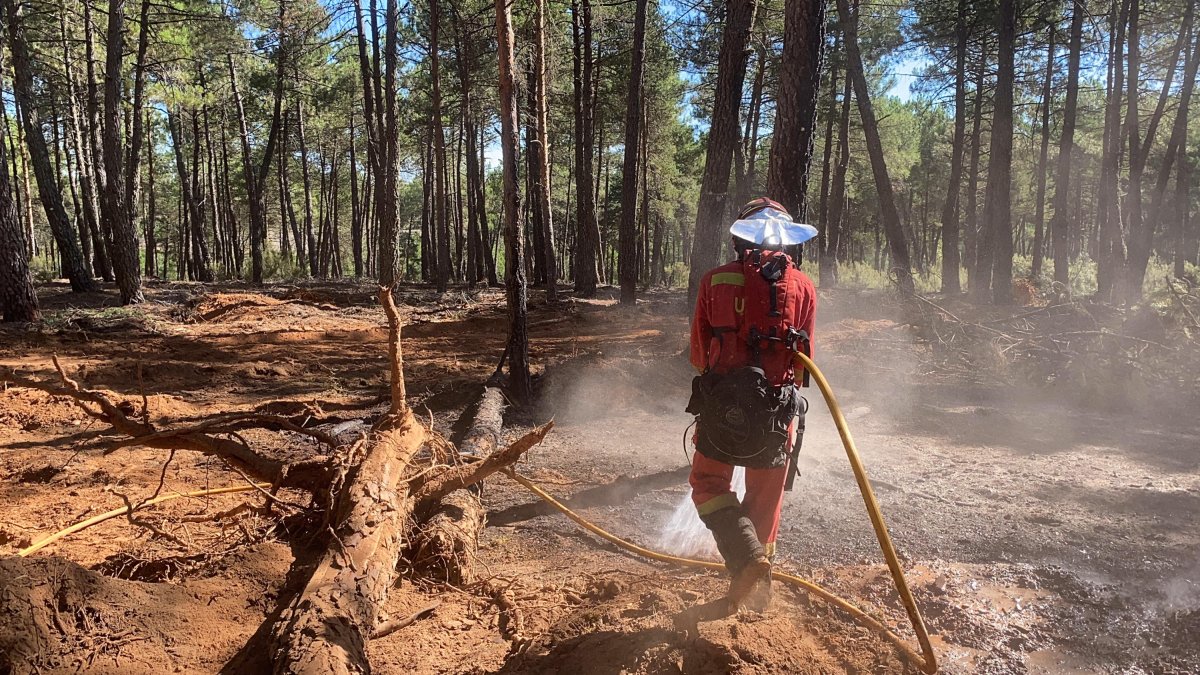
(1042, 530)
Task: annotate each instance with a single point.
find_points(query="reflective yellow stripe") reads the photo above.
(769, 548)
(729, 279)
(717, 503)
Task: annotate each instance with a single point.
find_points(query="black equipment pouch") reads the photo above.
(794, 455)
(742, 419)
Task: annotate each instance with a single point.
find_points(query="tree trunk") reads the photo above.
(890, 215)
(1177, 151)
(356, 216)
(1141, 230)
(1110, 254)
(94, 143)
(722, 137)
(327, 626)
(628, 259)
(514, 272)
(385, 208)
(126, 266)
(837, 198)
(971, 238)
(39, 155)
(1059, 225)
(796, 107)
(201, 262)
(826, 256)
(997, 243)
(137, 129)
(748, 176)
(950, 255)
(440, 207)
(1043, 152)
(95, 253)
(149, 223)
(1138, 243)
(18, 298)
(542, 155)
(188, 193)
(587, 272)
(256, 178)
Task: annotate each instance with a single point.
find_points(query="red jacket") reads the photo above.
(719, 327)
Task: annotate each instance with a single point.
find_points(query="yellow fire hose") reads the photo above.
(926, 660)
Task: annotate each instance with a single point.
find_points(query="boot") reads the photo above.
(744, 556)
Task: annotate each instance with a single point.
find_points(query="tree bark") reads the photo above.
(256, 178)
(151, 203)
(187, 192)
(310, 239)
(628, 259)
(514, 272)
(796, 105)
(1059, 224)
(1177, 152)
(126, 266)
(440, 207)
(587, 271)
(1043, 152)
(722, 137)
(39, 155)
(971, 234)
(1110, 254)
(1142, 229)
(542, 155)
(137, 129)
(890, 215)
(997, 243)
(18, 297)
(836, 226)
(327, 627)
(951, 262)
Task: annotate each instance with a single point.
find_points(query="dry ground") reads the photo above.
(1042, 531)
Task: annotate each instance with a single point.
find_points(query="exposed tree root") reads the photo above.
(445, 545)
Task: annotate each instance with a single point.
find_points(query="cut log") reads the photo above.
(327, 626)
(483, 436)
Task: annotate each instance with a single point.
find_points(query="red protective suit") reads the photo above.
(719, 342)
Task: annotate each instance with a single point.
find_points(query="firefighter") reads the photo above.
(750, 315)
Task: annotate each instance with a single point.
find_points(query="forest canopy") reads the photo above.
(937, 145)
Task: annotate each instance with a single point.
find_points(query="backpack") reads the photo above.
(744, 414)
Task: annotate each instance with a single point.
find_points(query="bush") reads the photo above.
(281, 267)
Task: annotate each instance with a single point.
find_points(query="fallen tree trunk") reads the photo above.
(483, 436)
(327, 626)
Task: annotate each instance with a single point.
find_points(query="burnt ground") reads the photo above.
(1044, 528)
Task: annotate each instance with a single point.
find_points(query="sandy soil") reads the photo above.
(1040, 534)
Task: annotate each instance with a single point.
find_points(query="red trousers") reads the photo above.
(712, 491)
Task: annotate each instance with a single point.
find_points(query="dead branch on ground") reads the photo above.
(312, 474)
